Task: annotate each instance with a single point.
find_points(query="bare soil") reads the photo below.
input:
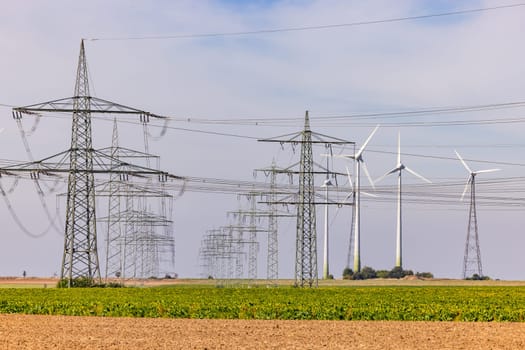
(66, 332)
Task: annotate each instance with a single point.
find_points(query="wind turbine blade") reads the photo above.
(345, 156)
(350, 179)
(370, 194)
(399, 148)
(486, 171)
(341, 204)
(368, 175)
(366, 142)
(417, 175)
(388, 173)
(466, 187)
(462, 161)
(346, 198)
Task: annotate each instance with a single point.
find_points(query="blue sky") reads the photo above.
(454, 61)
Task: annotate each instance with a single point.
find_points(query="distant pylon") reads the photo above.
(306, 240)
(114, 242)
(472, 259)
(272, 258)
(306, 273)
(253, 248)
(80, 258)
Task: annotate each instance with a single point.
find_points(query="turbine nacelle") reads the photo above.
(472, 174)
(358, 157)
(400, 166)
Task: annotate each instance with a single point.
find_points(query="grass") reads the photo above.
(350, 302)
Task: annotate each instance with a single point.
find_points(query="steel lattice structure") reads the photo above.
(472, 258)
(306, 273)
(80, 257)
(306, 239)
(81, 162)
(114, 246)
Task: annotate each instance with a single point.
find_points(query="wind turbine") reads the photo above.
(358, 157)
(399, 170)
(327, 183)
(326, 269)
(472, 264)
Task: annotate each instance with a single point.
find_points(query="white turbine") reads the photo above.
(399, 170)
(472, 247)
(472, 174)
(358, 157)
(326, 269)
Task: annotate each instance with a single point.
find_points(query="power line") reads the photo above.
(308, 28)
(449, 158)
(421, 112)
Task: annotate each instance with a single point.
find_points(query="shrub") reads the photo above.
(368, 273)
(86, 282)
(347, 273)
(382, 273)
(424, 275)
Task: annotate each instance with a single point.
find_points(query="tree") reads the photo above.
(397, 272)
(347, 273)
(382, 273)
(424, 275)
(368, 273)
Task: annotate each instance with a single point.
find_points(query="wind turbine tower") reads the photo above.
(472, 259)
(399, 230)
(359, 161)
(326, 269)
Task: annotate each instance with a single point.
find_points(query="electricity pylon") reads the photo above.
(472, 258)
(114, 242)
(306, 273)
(272, 257)
(80, 256)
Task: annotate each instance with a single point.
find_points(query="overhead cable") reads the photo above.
(307, 28)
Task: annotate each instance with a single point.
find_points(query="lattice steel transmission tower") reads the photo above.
(472, 258)
(248, 221)
(306, 273)
(272, 257)
(272, 215)
(81, 162)
(114, 242)
(80, 257)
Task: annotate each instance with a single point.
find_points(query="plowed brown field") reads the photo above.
(64, 332)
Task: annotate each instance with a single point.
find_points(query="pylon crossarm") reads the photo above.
(124, 152)
(317, 138)
(129, 188)
(70, 105)
(139, 218)
(102, 164)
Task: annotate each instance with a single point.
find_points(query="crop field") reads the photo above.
(282, 303)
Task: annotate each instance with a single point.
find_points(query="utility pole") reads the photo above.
(472, 258)
(80, 255)
(306, 273)
(114, 242)
(80, 258)
(272, 257)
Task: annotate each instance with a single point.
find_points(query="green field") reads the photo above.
(325, 303)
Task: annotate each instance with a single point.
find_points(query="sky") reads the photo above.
(451, 61)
